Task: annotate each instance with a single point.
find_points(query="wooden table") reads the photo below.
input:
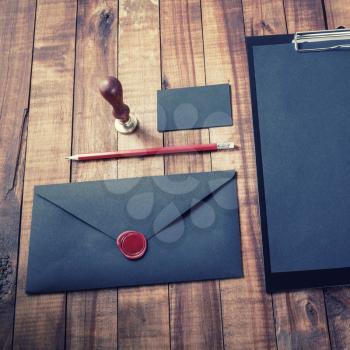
(53, 55)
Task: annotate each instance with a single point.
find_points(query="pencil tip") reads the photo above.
(72, 158)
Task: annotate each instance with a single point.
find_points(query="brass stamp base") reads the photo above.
(128, 127)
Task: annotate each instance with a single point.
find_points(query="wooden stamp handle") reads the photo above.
(112, 91)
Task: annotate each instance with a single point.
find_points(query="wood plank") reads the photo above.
(247, 309)
(16, 43)
(338, 299)
(337, 13)
(303, 15)
(338, 312)
(195, 308)
(264, 17)
(89, 312)
(40, 320)
(300, 317)
(301, 320)
(143, 312)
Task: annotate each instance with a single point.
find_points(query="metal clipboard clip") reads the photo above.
(321, 36)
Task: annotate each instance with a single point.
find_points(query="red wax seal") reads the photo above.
(132, 244)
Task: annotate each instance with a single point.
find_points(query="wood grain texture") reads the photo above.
(338, 311)
(92, 315)
(195, 308)
(338, 299)
(337, 13)
(264, 17)
(40, 320)
(16, 43)
(300, 317)
(144, 311)
(301, 320)
(303, 15)
(247, 309)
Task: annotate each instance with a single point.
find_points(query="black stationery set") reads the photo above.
(141, 231)
(185, 227)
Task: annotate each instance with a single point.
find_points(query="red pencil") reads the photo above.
(154, 151)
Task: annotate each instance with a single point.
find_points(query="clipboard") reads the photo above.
(300, 90)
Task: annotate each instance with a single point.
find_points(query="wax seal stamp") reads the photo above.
(112, 91)
(132, 244)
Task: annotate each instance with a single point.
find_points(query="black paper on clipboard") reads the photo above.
(301, 116)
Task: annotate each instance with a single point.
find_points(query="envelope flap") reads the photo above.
(100, 204)
(210, 183)
(147, 204)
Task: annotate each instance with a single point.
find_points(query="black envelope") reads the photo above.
(194, 107)
(190, 221)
